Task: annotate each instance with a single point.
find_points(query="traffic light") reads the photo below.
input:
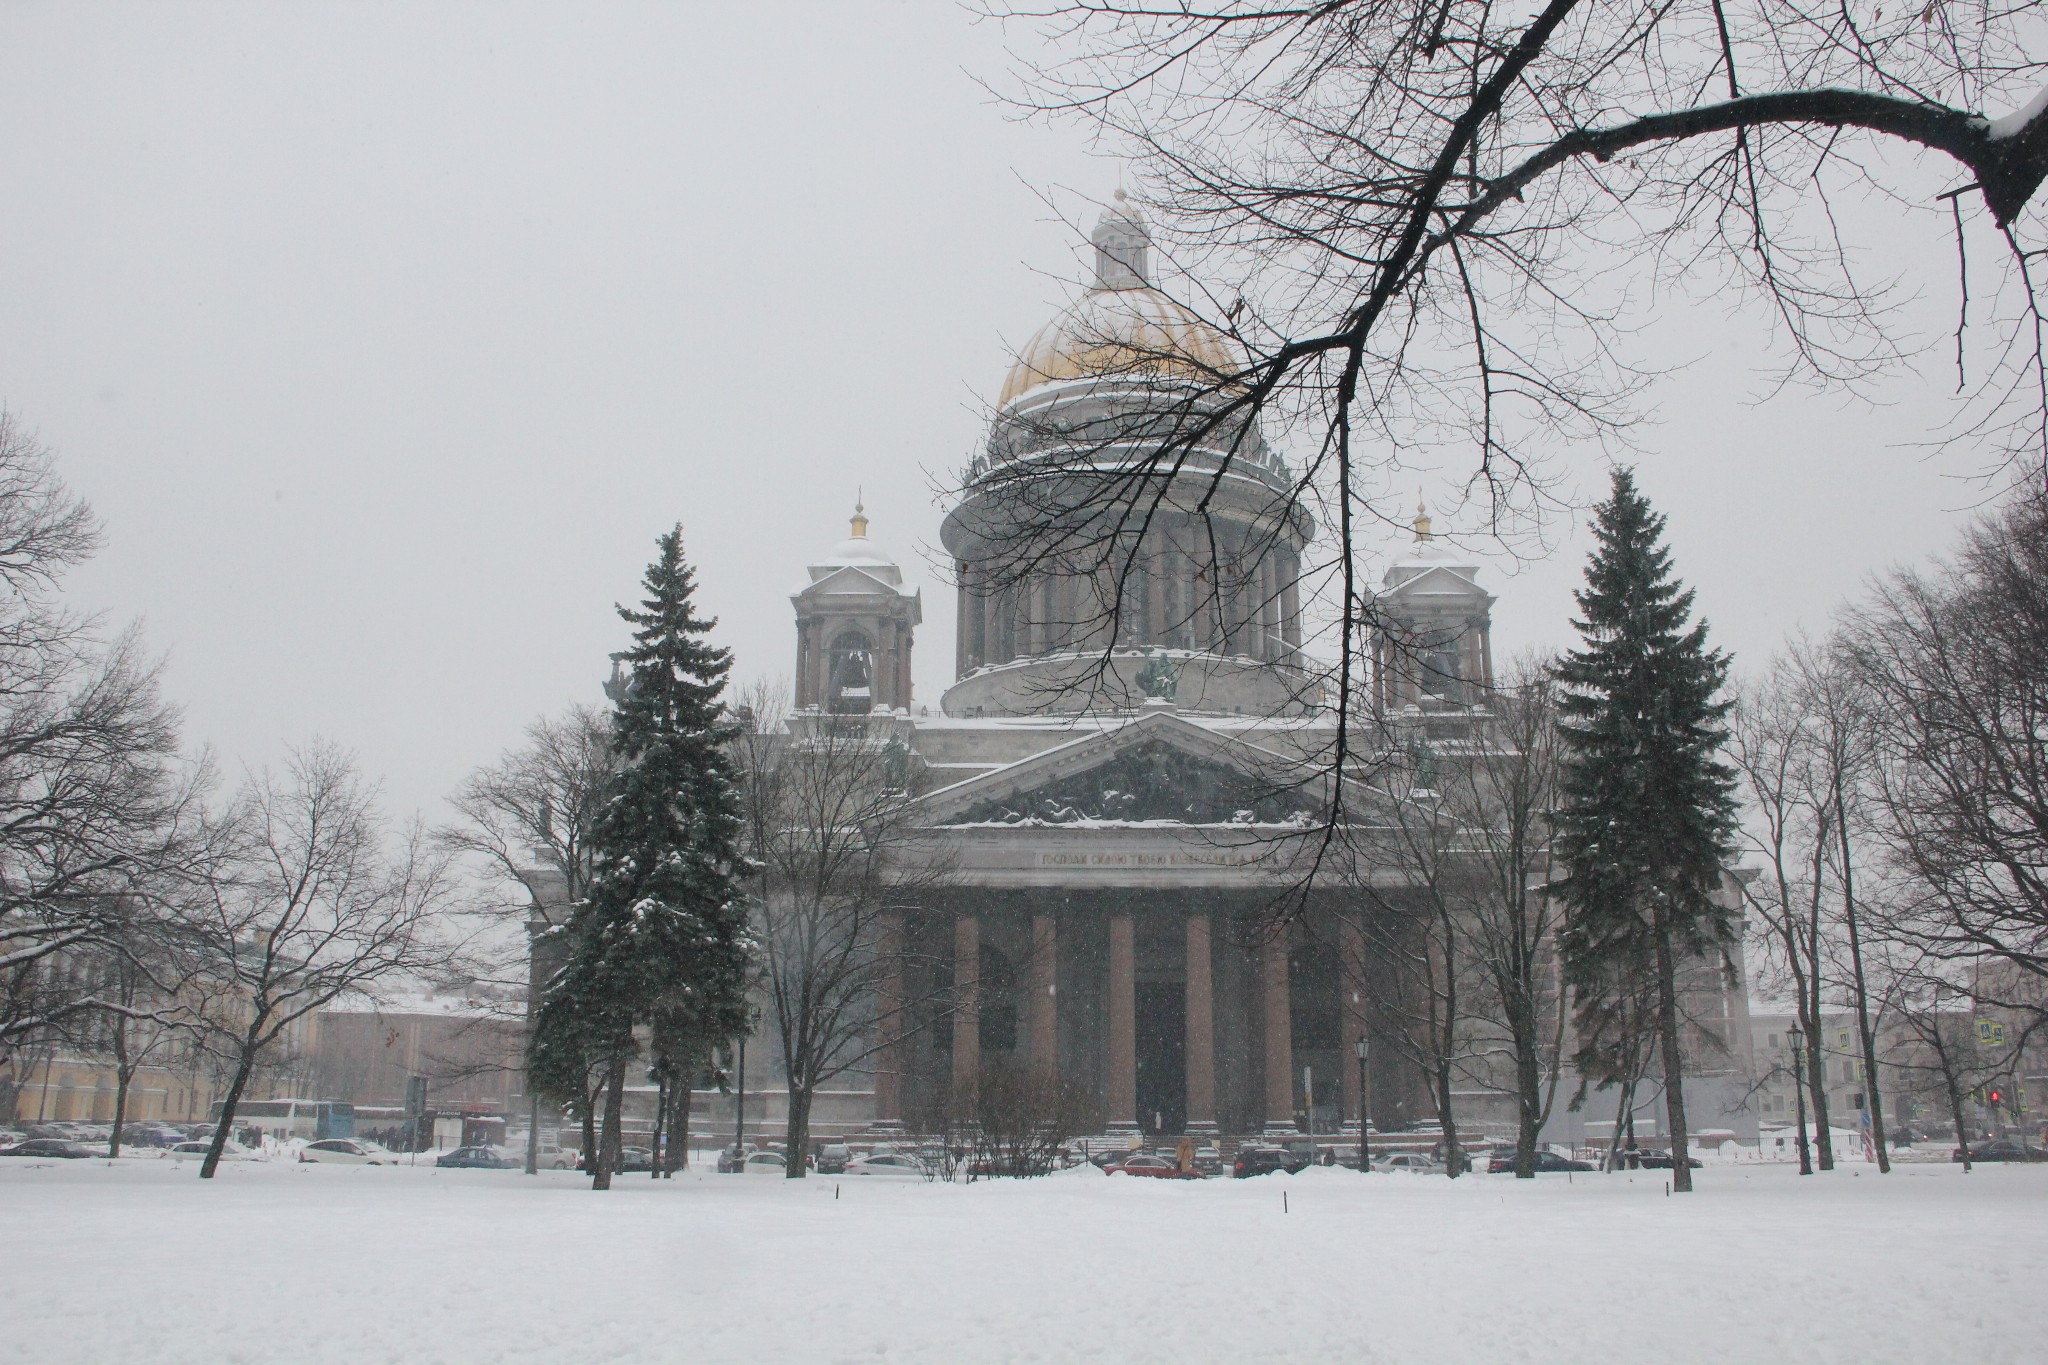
(1996, 1096)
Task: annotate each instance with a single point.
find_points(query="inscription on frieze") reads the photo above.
(1183, 857)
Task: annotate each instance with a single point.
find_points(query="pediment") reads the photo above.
(1155, 770)
(1439, 580)
(850, 581)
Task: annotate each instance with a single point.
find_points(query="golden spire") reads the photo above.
(1422, 536)
(860, 517)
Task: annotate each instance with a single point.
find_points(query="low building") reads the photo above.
(468, 1047)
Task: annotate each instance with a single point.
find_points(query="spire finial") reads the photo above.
(860, 516)
(1422, 536)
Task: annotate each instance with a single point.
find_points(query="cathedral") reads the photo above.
(1118, 796)
(1149, 857)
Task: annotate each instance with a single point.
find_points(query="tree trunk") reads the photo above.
(1454, 1154)
(680, 1144)
(1806, 1009)
(123, 1074)
(1624, 1115)
(590, 1094)
(1955, 1101)
(243, 1066)
(1674, 1062)
(1799, 1113)
(796, 1145)
(1873, 1097)
(609, 1143)
(657, 1157)
(1445, 1043)
(1817, 1093)
(532, 1131)
(1528, 1090)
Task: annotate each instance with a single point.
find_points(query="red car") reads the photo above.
(1156, 1167)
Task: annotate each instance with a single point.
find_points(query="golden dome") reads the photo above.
(1132, 331)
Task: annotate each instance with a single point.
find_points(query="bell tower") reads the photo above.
(854, 625)
(1435, 647)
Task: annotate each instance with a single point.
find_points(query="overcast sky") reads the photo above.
(387, 340)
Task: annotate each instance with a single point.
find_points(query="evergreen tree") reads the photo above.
(662, 933)
(1648, 806)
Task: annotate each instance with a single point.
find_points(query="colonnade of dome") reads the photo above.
(1121, 506)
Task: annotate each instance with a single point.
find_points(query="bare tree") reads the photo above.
(1791, 828)
(1844, 741)
(94, 796)
(1954, 664)
(527, 818)
(531, 811)
(1024, 1116)
(1935, 1009)
(157, 999)
(305, 899)
(1508, 781)
(1424, 928)
(831, 830)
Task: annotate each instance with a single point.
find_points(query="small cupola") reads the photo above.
(1123, 247)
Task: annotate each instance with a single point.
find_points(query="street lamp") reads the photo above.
(1363, 1050)
(1797, 1040)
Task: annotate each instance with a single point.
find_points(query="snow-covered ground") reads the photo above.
(138, 1260)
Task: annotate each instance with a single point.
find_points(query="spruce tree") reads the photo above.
(1648, 808)
(662, 932)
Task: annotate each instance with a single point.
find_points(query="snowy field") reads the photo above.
(138, 1261)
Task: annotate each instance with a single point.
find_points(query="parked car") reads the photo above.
(347, 1152)
(889, 1166)
(57, 1147)
(2001, 1149)
(551, 1158)
(479, 1159)
(1661, 1161)
(833, 1158)
(1503, 1162)
(1208, 1161)
(1253, 1161)
(1152, 1167)
(765, 1163)
(630, 1159)
(1446, 1153)
(65, 1132)
(1416, 1163)
(196, 1151)
(732, 1159)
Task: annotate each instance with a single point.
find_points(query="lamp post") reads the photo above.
(1363, 1050)
(1797, 1040)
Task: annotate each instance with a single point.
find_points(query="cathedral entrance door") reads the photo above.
(1162, 1056)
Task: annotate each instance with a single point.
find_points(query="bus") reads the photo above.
(287, 1119)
